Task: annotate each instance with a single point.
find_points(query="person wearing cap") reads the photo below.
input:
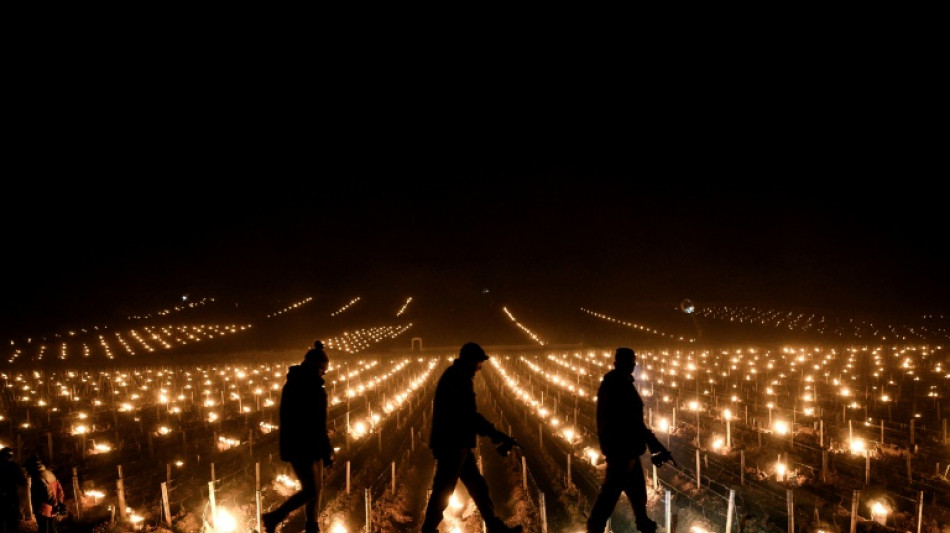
(456, 424)
(12, 479)
(46, 493)
(304, 440)
(623, 439)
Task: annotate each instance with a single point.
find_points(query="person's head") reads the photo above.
(473, 355)
(625, 360)
(33, 464)
(6, 454)
(317, 357)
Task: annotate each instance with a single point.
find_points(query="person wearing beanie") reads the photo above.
(456, 424)
(623, 439)
(12, 479)
(304, 440)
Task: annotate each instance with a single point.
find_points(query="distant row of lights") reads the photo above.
(176, 309)
(87, 330)
(800, 322)
(404, 307)
(362, 339)
(534, 336)
(291, 307)
(642, 327)
(167, 337)
(345, 307)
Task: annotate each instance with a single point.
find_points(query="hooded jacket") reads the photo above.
(455, 420)
(45, 492)
(620, 426)
(303, 416)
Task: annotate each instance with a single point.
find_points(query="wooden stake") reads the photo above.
(544, 514)
(669, 511)
(165, 506)
(791, 510)
(257, 495)
(120, 491)
(369, 511)
(524, 475)
(698, 475)
(211, 502)
(742, 467)
(730, 511)
(824, 466)
(76, 495)
(854, 510)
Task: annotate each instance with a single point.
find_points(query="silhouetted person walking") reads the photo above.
(456, 423)
(46, 493)
(12, 478)
(623, 439)
(304, 441)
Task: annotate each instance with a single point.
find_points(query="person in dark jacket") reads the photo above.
(46, 494)
(456, 423)
(623, 439)
(304, 441)
(12, 478)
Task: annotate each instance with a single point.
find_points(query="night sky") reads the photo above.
(779, 182)
(589, 231)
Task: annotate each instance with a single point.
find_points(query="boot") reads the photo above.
(269, 523)
(497, 526)
(645, 525)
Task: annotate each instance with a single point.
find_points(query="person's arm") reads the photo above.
(482, 425)
(659, 453)
(322, 408)
(60, 495)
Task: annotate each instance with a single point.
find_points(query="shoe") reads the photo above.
(648, 527)
(500, 527)
(269, 523)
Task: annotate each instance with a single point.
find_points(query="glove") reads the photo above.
(507, 445)
(662, 456)
(498, 437)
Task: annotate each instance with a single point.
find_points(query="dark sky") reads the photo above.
(214, 182)
(582, 231)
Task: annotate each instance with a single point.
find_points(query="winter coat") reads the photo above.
(620, 426)
(455, 419)
(45, 492)
(11, 478)
(303, 416)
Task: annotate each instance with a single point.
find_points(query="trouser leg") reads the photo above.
(308, 473)
(314, 474)
(636, 490)
(614, 483)
(45, 524)
(447, 470)
(11, 517)
(478, 490)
